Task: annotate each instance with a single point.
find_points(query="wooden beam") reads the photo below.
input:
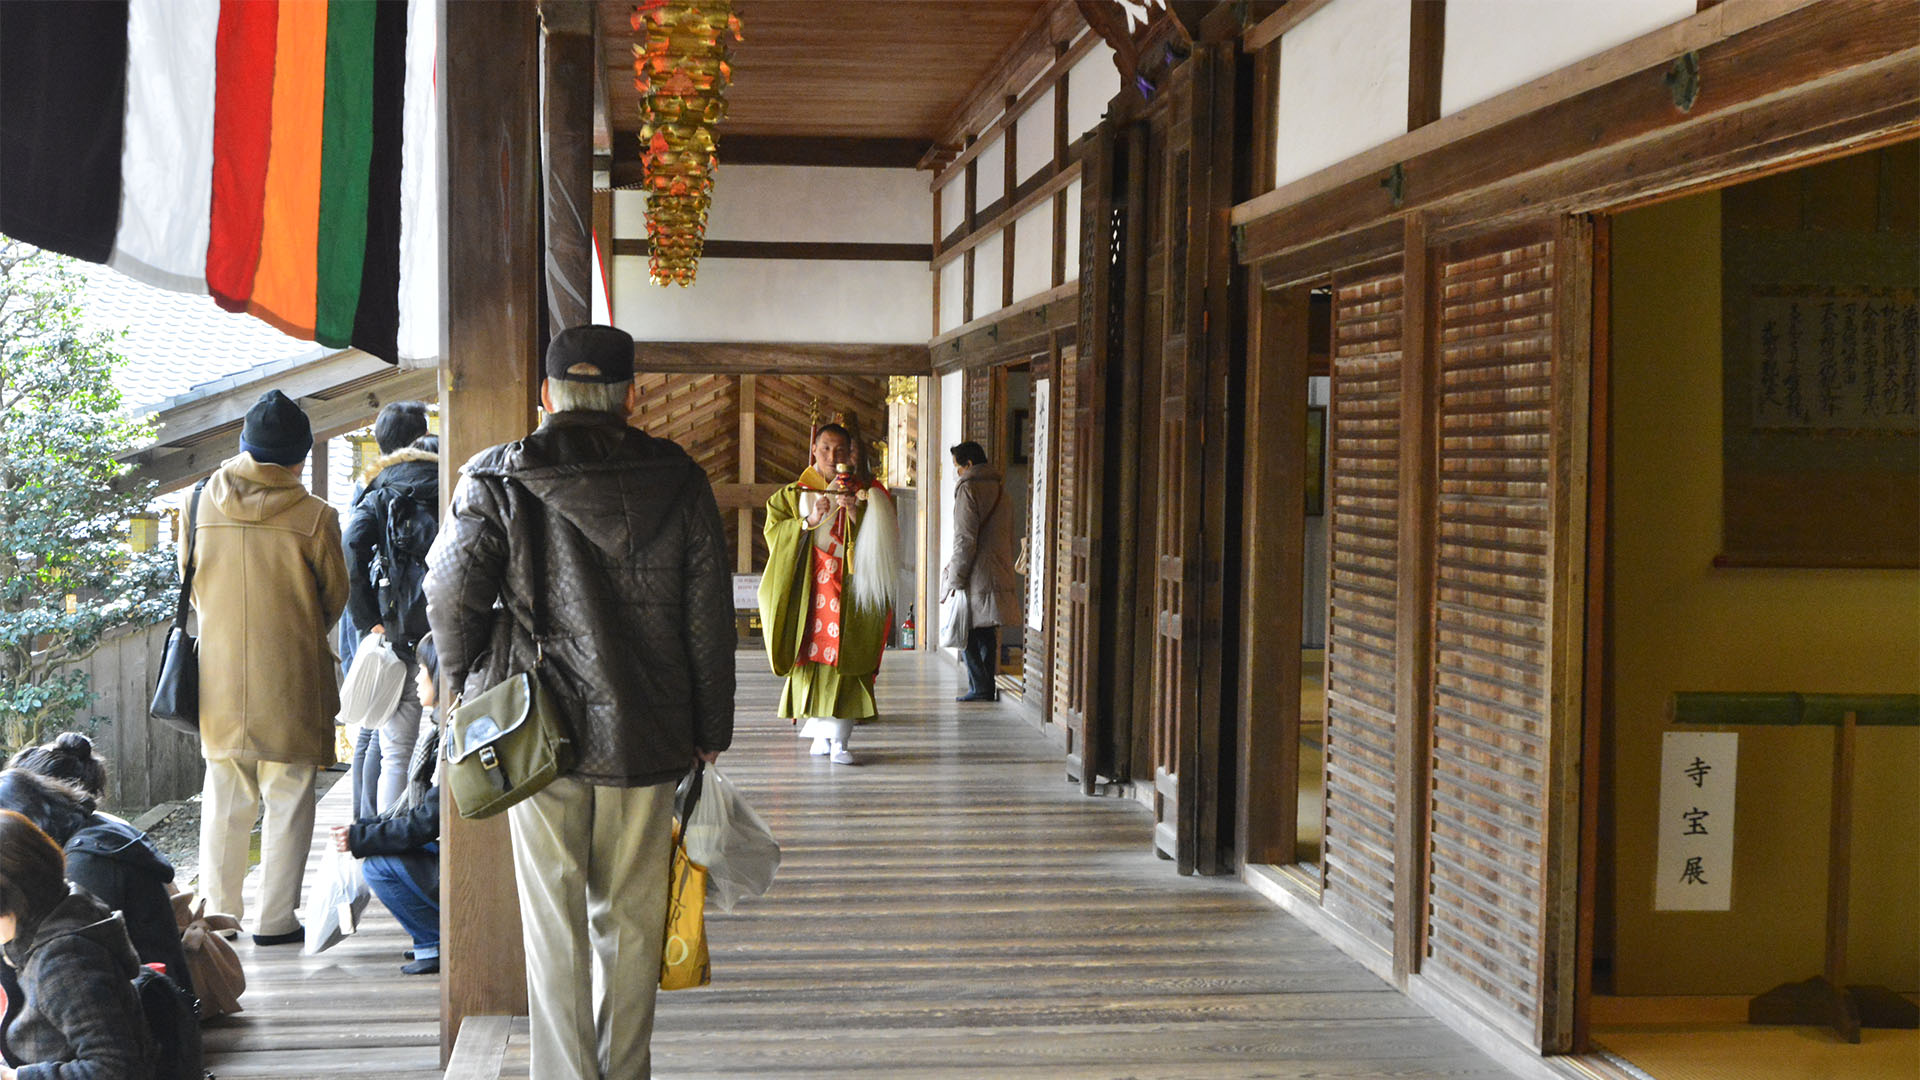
(1747, 51)
(1413, 618)
(1032, 53)
(1058, 182)
(174, 467)
(749, 463)
(490, 56)
(1067, 55)
(1291, 14)
(568, 72)
(779, 358)
(792, 249)
(830, 151)
(1427, 49)
(229, 406)
(1018, 329)
(1572, 414)
(745, 498)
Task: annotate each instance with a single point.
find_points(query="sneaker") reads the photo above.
(820, 748)
(842, 755)
(429, 966)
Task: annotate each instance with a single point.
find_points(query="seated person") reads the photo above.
(76, 967)
(105, 856)
(401, 850)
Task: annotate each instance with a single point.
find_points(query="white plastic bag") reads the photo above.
(373, 685)
(956, 620)
(338, 899)
(724, 835)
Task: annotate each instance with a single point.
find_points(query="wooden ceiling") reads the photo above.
(867, 69)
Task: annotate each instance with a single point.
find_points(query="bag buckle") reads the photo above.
(488, 758)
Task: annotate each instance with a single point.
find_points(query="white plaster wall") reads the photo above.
(820, 300)
(990, 173)
(1033, 136)
(1343, 83)
(987, 275)
(1033, 251)
(936, 459)
(953, 203)
(1091, 83)
(795, 203)
(1496, 45)
(952, 285)
(1073, 231)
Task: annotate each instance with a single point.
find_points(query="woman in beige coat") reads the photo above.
(270, 580)
(982, 565)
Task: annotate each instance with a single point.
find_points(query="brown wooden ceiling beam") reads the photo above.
(793, 249)
(1056, 23)
(778, 358)
(1068, 55)
(1758, 68)
(1020, 329)
(851, 151)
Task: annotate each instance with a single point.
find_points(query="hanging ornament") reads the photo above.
(681, 68)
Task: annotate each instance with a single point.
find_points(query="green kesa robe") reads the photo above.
(843, 689)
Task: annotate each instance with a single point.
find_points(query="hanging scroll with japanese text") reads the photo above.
(1820, 305)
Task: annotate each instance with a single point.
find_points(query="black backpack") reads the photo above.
(399, 566)
(173, 1018)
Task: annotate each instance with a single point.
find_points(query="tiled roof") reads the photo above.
(175, 341)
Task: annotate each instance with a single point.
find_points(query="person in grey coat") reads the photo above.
(982, 565)
(82, 1018)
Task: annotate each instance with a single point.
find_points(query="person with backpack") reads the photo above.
(83, 1015)
(387, 537)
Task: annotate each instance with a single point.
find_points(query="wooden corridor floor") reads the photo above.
(948, 908)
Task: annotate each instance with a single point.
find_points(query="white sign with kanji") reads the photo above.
(1695, 866)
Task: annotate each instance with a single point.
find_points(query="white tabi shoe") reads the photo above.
(820, 748)
(842, 755)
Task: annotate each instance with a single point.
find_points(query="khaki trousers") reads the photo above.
(229, 803)
(592, 866)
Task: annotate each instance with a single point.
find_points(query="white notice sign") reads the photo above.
(1695, 866)
(746, 591)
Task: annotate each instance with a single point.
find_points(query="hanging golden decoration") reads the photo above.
(681, 68)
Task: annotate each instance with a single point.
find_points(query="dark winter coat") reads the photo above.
(609, 541)
(402, 834)
(110, 859)
(367, 526)
(82, 1019)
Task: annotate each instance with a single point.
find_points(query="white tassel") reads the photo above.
(876, 556)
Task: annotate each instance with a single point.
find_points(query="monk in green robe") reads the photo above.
(826, 598)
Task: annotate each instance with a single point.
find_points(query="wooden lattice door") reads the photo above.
(1080, 384)
(1363, 579)
(1513, 314)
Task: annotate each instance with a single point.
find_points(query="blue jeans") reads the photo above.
(365, 776)
(397, 881)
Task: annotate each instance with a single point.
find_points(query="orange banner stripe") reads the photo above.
(286, 286)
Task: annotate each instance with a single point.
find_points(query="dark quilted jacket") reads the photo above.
(610, 541)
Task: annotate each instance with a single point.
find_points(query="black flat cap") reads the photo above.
(598, 354)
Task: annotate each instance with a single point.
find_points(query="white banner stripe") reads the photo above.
(166, 165)
(420, 270)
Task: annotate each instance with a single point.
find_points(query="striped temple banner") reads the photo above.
(276, 154)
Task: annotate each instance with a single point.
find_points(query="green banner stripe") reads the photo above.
(346, 148)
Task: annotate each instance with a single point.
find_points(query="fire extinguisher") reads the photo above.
(906, 630)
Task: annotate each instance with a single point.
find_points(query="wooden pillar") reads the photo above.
(317, 470)
(567, 142)
(748, 470)
(1419, 395)
(489, 67)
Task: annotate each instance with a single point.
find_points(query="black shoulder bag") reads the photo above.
(176, 697)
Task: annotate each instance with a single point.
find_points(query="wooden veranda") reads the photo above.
(950, 908)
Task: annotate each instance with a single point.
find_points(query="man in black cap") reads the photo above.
(605, 545)
(269, 581)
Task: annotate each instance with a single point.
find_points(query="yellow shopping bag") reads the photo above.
(684, 963)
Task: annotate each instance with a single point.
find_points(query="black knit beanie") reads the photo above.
(276, 431)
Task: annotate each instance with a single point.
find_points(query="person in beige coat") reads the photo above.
(270, 580)
(982, 565)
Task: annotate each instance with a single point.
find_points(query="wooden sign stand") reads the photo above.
(1824, 1000)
